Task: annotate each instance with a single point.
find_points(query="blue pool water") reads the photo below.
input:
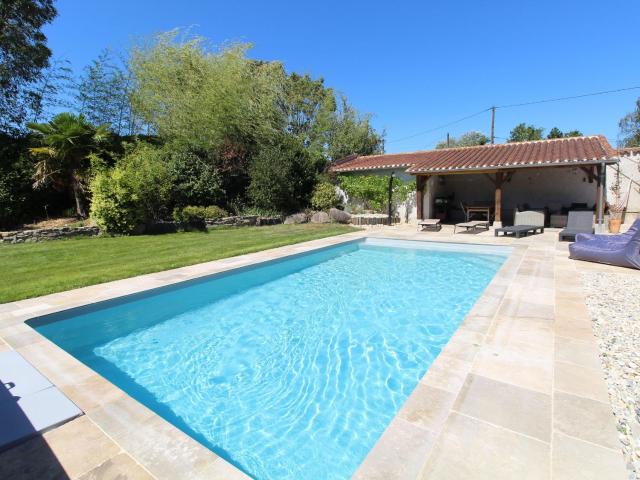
(289, 370)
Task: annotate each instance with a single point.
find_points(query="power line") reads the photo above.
(558, 99)
(439, 127)
(548, 100)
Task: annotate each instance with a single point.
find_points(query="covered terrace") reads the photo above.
(553, 176)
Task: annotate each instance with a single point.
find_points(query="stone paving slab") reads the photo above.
(501, 401)
(29, 403)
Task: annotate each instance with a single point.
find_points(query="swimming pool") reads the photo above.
(289, 369)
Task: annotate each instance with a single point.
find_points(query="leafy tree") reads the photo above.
(15, 180)
(309, 111)
(467, 139)
(67, 144)
(523, 133)
(573, 133)
(213, 100)
(48, 90)
(353, 133)
(555, 132)
(23, 55)
(630, 127)
(282, 177)
(102, 95)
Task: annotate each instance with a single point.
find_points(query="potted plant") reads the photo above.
(616, 207)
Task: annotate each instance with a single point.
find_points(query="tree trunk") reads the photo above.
(78, 194)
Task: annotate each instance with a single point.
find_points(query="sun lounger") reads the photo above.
(429, 223)
(578, 222)
(474, 225)
(525, 223)
(518, 230)
(622, 252)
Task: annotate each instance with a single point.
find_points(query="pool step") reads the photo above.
(29, 402)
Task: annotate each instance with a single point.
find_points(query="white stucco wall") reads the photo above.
(552, 188)
(629, 181)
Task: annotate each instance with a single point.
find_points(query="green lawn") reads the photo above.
(30, 270)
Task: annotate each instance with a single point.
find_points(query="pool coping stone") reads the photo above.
(517, 340)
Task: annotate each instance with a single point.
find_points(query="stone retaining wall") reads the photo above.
(246, 220)
(21, 236)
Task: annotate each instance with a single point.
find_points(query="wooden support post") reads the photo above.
(599, 194)
(420, 184)
(498, 200)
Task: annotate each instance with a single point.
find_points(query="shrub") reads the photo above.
(282, 177)
(213, 212)
(114, 206)
(196, 217)
(197, 181)
(135, 192)
(372, 191)
(190, 217)
(19, 201)
(15, 190)
(325, 197)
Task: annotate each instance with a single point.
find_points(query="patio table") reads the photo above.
(478, 209)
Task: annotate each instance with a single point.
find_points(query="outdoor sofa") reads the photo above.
(621, 250)
(578, 222)
(524, 223)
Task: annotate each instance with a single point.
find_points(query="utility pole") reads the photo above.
(447, 139)
(390, 198)
(493, 122)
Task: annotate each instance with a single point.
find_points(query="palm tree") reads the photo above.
(67, 143)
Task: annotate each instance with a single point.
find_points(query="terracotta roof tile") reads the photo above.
(627, 152)
(573, 150)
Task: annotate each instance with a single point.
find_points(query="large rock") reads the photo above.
(262, 221)
(339, 216)
(296, 218)
(320, 217)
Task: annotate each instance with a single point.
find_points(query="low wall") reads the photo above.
(21, 236)
(252, 220)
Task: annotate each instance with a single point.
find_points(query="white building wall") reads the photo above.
(629, 181)
(552, 188)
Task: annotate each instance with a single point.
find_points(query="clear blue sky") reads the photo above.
(413, 65)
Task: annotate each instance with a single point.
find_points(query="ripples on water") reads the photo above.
(295, 378)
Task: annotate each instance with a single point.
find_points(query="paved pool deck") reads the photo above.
(518, 392)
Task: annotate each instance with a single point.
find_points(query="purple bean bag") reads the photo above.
(621, 250)
(623, 237)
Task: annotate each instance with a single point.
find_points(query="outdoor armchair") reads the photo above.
(623, 253)
(578, 222)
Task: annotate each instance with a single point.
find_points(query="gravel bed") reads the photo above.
(613, 300)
